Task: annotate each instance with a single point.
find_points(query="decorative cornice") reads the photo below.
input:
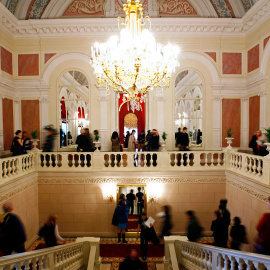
(93, 27)
(248, 189)
(217, 97)
(143, 180)
(17, 189)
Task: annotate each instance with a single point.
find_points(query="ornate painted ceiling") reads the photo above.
(44, 9)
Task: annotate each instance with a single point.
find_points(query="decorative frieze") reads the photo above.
(17, 189)
(142, 180)
(248, 189)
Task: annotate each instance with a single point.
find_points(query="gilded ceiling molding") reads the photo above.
(142, 180)
(17, 189)
(176, 7)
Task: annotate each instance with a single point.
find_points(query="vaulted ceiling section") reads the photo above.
(44, 9)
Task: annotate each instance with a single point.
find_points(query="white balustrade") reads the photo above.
(255, 167)
(16, 166)
(183, 254)
(84, 254)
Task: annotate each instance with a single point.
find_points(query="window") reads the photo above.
(73, 106)
(188, 105)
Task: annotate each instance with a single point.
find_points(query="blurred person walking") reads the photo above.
(140, 201)
(132, 262)
(49, 231)
(141, 139)
(194, 230)
(48, 145)
(26, 142)
(257, 144)
(262, 245)
(17, 144)
(219, 229)
(167, 225)
(12, 232)
(238, 234)
(126, 139)
(226, 217)
(131, 198)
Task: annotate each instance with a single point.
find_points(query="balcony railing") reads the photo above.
(182, 254)
(255, 167)
(84, 254)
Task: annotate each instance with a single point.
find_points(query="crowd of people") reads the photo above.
(13, 236)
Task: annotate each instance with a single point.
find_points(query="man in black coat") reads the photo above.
(12, 236)
(82, 141)
(183, 140)
(132, 262)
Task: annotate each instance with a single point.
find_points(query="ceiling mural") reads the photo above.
(223, 8)
(11, 5)
(176, 7)
(85, 7)
(37, 9)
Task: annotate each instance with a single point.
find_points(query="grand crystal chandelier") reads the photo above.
(134, 63)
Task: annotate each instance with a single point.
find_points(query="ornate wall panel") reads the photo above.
(8, 128)
(232, 63)
(231, 118)
(6, 61)
(30, 116)
(28, 64)
(254, 58)
(254, 115)
(48, 56)
(213, 55)
(265, 41)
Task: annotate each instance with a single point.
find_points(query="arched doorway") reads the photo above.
(125, 110)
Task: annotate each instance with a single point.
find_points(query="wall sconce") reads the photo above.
(152, 199)
(108, 190)
(110, 197)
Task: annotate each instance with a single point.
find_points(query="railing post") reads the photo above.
(169, 240)
(36, 154)
(266, 170)
(98, 158)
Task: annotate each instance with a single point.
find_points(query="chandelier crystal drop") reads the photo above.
(133, 63)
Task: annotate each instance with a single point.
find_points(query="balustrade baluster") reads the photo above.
(254, 167)
(4, 169)
(250, 165)
(226, 263)
(211, 159)
(219, 159)
(9, 168)
(232, 263)
(259, 168)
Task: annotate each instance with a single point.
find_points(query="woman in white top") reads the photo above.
(49, 231)
(131, 142)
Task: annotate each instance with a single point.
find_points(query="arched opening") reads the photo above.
(188, 105)
(73, 106)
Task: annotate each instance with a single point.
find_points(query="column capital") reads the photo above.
(262, 93)
(16, 100)
(217, 97)
(160, 96)
(244, 99)
(44, 99)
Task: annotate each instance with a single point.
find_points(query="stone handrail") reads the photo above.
(182, 254)
(248, 165)
(84, 254)
(13, 167)
(131, 161)
(255, 167)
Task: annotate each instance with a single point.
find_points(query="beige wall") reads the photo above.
(84, 209)
(23, 193)
(248, 200)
